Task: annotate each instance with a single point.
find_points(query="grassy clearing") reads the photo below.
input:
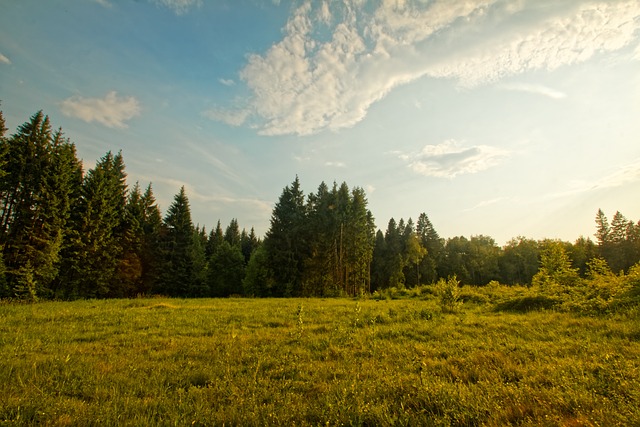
(317, 362)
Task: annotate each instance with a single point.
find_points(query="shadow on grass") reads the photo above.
(527, 304)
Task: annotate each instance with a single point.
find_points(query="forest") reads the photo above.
(67, 233)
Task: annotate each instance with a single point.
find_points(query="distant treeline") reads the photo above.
(67, 233)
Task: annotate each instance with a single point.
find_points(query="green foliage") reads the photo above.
(226, 271)
(258, 280)
(177, 248)
(448, 292)
(555, 273)
(39, 177)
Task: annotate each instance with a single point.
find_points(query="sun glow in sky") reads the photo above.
(498, 117)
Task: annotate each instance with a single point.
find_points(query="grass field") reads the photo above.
(315, 362)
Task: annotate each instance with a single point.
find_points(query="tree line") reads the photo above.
(66, 233)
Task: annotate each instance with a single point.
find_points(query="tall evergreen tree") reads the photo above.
(138, 266)
(177, 245)
(226, 271)
(96, 249)
(216, 237)
(285, 241)
(434, 245)
(248, 243)
(232, 233)
(36, 189)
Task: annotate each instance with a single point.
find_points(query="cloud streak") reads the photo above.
(534, 89)
(180, 7)
(4, 60)
(306, 83)
(450, 159)
(111, 111)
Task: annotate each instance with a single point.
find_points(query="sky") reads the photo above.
(501, 118)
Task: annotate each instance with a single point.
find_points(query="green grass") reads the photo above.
(317, 362)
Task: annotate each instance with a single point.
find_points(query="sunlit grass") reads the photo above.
(316, 362)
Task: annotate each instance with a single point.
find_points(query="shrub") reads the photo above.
(448, 292)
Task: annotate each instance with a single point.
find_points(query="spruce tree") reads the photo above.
(177, 245)
(99, 234)
(35, 197)
(285, 241)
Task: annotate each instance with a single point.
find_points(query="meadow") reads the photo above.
(375, 361)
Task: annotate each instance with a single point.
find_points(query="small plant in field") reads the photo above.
(448, 292)
(356, 311)
(299, 323)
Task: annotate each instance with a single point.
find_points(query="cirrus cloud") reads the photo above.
(111, 111)
(180, 7)
(4, 59)
(308, 82)
(450, 159)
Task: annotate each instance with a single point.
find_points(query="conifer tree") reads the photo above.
(248, 244)
(431, 241)
(177, 247)
(35, 196)
(232, 233)
(285, 241)
(216, 237)
(226, 271)
(97, 243)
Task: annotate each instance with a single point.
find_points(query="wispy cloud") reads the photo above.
(104, 3)
(180, 7)
(534, 89)
(450, 159)
(226, 82)
(4, 59)
(112, 111)
(485, 203)
(624, 175)
(304, 84)
(335, 164)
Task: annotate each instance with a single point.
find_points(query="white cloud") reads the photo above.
(180, 7)
(624, 175)
(571, 35)
(111, 111)
(304, 84)
(335, 164)
(4, 59)
(534, 89)
(104, 3)
(450, 159)
(485, 203)
(226, 82)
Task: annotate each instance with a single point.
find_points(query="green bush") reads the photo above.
(448, 292)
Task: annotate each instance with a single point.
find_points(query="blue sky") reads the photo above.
(494, 117)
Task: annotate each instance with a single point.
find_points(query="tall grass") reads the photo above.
(317, 362)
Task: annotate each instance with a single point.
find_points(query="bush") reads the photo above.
(448, 292)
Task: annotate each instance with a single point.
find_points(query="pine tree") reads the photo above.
(216, 237)
(36, 188)
(285, 241)
(434, 245)
(138, 267)
(177, 243)
(232, 233)
(96, 249)
(248, 244)
(226, 271)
